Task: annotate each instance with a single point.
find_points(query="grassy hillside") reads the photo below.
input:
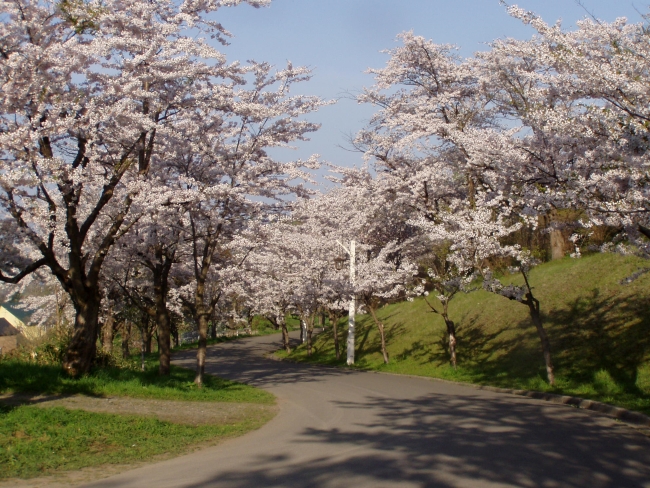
(599, 331)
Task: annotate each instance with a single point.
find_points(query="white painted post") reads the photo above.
(353, 305)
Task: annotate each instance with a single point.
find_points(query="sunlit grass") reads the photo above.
(39, 441)
(599, 331)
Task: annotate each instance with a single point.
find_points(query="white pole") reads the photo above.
(353, 305)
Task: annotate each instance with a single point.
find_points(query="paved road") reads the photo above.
(353, 429)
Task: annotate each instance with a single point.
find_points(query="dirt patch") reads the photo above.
(180, 412)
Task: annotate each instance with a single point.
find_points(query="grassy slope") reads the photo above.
(599, 332)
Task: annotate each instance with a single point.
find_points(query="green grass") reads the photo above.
(599, 332)
(17, 376)
(39, 441)
(36, 441)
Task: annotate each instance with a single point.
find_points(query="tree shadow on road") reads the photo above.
(445, 440)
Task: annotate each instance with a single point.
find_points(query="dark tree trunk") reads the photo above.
(175, 335)
(202, 317)
(334, 321)
(451, 333)
(535, 315)
(149, 335)
(164, 336)
(280, 322)
(143, 346)
(81, 279)
(309, 323)
(213, 329)
(202, 349)
(126, 337)
(202, 309)
(160, 272)
(533, 307)
(82, 349)
(285, 337)
(380, 327)
(109, 332)
(164, 341)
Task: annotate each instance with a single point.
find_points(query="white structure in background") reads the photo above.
(12, 331)
(303, 331)
(353, 300)
(12, 319)
(29, 332)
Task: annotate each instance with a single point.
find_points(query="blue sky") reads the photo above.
(340, 39)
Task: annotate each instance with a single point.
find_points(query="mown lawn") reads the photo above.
(599, 331)
(39, 441)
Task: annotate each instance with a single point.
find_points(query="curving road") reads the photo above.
(339, 428)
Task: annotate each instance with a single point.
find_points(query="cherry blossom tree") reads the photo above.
(222, 160)
(361, 211)
(90, 93)
(594, 79)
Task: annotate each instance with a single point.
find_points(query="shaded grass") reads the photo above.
(16, 376)
(36, 441)
(599, 331)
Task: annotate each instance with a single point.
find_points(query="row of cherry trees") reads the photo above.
(134, 155)
(136, 171)
(464, 153)
(479, 148)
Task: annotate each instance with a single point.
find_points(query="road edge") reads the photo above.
(618, 413)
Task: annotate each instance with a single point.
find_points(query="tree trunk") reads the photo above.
(558, 249)
(451, 332)
(285, 333)
(334, 321)
(164, 335)
(309, 325)
(533, 307)
(174, 332)
(202, 310)
(143, 346)
(82, 349)
(149, 336)
(382, 335)
(559, 244)
(160, 270)
(213, 329)
(303, 331)
(164, 344)
(109, 332)
(126, 336)
(202, 349)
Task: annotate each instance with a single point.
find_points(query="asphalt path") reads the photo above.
(341, 428)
